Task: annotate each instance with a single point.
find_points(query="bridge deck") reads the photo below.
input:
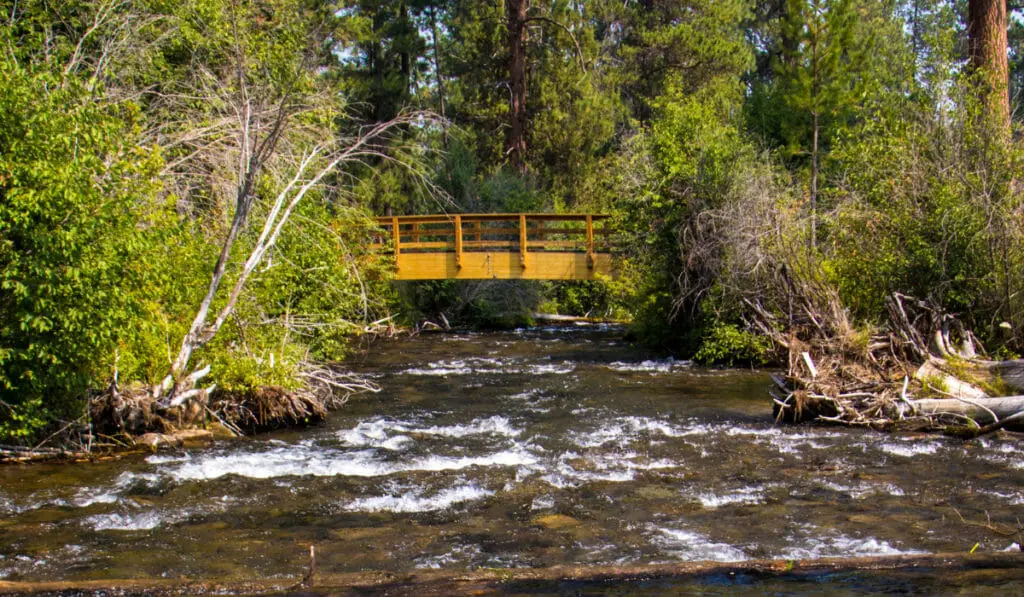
(499, 246)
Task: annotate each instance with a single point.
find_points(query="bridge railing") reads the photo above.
(514, 233)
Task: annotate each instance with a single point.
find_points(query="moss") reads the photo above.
(963, 370)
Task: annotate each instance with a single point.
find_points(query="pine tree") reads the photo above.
(820, 76)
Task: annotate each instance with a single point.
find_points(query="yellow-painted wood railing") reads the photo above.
(499, 246)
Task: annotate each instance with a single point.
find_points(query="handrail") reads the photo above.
(551, 238)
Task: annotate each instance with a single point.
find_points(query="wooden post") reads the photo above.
(591, 257)
(415, 232)
(458, 242)
(522, 240)
(396, 236)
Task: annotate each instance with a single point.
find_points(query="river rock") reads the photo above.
(189, 437)
(156, 441)
(556, 522)
(220, 431)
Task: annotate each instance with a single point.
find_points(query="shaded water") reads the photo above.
(548, 446)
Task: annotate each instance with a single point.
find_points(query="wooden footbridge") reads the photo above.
(499, 246)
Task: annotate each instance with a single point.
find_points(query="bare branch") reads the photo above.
(579, 50)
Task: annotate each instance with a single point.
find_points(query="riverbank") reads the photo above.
(938, 574)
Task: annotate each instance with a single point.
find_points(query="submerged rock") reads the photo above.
(556, 522)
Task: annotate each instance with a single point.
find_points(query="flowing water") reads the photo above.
(560, 445)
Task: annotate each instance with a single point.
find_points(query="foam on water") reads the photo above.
(490, 365)
(909, 449)
(743, 495)
(623, 430)
(551, 368)
(103, 494)
(414, 501)
(855, 490)
(168, 458)
(95, 495)
(467, 366)
(378, 432)
(495, 425)
(845, 546)
(281, 462)
(441, 368)
(573, 470)
(459, 554)
(793, 443)
(1005, 446)
(542, 502)
(1013, 498)
(650, 366)
(7, 506)
(302, 461)
(130, 521)
(810, 542)
(388, 434)
(503, 458)
(693, 547)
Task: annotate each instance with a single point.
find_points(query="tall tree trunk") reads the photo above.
(516, 19)
(403, 17)
(437, 64)
(986, 32)
(916, 38)
(814, 183)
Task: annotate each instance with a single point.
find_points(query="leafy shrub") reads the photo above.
(726, 344)
(78, 223)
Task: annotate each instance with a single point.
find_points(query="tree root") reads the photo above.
(132, 412)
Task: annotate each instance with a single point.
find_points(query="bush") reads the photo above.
(78, 227)
(726, 344)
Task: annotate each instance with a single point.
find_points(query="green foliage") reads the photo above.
(320, 284)
(585, 299)
(249, 357)
(389, 60)
(78, 224)
(20, 421)
(921, 214)
(821, 67)
(726, 344)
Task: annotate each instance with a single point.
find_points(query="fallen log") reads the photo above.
(934, 374)
(1011, 372)
(1006, 373)
(981, 410)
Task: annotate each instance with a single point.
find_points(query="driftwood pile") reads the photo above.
(922, 372)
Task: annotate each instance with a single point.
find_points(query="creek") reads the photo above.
(538, 447)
